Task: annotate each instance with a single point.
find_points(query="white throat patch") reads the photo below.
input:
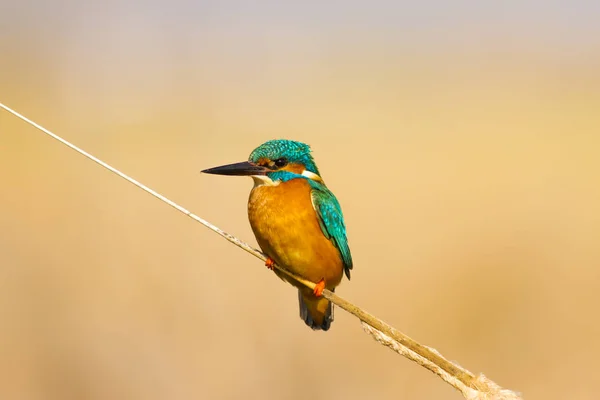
(263, 180)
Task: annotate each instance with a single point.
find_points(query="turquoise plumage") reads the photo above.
(331, 221)
(293, 152)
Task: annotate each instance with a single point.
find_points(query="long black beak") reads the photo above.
(242, 168)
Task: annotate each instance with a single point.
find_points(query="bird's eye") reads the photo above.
(280, 162)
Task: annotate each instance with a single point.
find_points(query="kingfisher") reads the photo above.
(297, 221)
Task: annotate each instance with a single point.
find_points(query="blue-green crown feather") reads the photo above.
(294, 152)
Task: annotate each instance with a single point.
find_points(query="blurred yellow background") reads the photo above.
(462, 143)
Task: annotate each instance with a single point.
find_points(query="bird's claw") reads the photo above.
(269, 263)
(319, 287)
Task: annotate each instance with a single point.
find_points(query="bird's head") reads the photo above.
(270, 159)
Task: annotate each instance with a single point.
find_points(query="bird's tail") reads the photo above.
(316, 312)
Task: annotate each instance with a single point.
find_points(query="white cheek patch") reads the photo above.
(263, 180)
(312, 175)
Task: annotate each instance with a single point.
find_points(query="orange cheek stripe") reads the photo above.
(263, 161)
(295, 168)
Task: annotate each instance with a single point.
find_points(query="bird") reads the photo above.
(297, 221)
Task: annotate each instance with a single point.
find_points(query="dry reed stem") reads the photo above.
(472, 387)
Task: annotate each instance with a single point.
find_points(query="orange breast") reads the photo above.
(287, 230)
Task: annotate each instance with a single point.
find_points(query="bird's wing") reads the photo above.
(331, 220)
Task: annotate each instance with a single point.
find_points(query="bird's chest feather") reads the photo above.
(282, 216)
(287, 229)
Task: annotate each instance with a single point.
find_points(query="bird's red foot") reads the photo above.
(319, 287)
(270, 263)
